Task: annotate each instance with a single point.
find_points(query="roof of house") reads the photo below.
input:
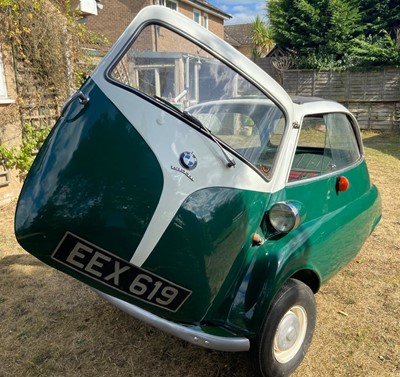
(238, 35)
(230, 40)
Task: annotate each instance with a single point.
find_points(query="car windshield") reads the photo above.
(163, 64)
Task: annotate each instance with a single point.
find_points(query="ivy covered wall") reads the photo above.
(41, 43)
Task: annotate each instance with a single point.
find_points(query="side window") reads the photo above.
(327, 143)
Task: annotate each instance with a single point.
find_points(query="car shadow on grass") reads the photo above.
(56, 325)
(20, 259)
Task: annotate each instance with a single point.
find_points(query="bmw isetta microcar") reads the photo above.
(190, 190)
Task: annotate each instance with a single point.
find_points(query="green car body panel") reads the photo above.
(331, 234)
(93, 196)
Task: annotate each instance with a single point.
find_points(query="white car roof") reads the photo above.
(314, 105)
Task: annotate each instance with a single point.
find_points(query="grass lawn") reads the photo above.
(52, 325)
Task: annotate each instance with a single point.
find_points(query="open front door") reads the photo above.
(156, 175)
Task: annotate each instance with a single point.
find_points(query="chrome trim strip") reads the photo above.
(199, 338)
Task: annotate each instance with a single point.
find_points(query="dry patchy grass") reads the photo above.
(52, 325)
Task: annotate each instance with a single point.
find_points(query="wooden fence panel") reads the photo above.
(374, 96)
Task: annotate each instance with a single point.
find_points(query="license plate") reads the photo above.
(99, 264)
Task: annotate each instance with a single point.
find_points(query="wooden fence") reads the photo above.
(373, 96)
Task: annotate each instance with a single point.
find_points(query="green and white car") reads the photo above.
(190, 190)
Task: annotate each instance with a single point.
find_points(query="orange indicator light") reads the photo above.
(342, 184)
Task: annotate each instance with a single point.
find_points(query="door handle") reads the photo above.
(83, 99)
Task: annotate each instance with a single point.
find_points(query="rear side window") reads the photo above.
(327, 143)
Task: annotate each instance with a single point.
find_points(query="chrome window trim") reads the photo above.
(327, 175)
(357, 134)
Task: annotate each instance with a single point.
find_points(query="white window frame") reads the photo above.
(205, 20)
(4, 99)
(164, 3)
(197, 12)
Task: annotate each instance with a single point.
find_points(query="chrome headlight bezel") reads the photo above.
(284, 216)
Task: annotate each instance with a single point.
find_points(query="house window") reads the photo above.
(205, 20)
(4, 99)
(3, 88)
(196, 16)
(172, 4)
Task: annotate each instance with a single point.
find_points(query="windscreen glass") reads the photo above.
(163, 64)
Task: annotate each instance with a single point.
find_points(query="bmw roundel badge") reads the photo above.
(188, 160)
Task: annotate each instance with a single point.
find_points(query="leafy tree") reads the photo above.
(46, 45)
(291, 31)
(320, 26)
(381, 15)
(343, 24)
(261, 36)
(337, 33)
(373, 51)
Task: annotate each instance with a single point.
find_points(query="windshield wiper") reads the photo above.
(230, 161)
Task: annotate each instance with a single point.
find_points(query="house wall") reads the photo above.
(116, 15)
(31, 100)
(10, 129)
(215, 24)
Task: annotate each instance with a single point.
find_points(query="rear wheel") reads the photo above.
(287, 331)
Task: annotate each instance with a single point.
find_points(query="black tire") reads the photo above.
(293, 312)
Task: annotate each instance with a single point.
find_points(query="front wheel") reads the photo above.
(287, 331)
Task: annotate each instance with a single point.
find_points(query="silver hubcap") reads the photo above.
(290, 334)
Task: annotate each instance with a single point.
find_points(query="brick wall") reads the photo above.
(215, 24)
(116, 15)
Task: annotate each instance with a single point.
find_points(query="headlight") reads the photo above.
(284, 216)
